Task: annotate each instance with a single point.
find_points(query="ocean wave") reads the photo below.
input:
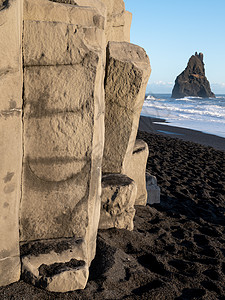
(200, 118)
(219, 97)
(213, 111)
(189, 98)
(150, 97)
(196, 113)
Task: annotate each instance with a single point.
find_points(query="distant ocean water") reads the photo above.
(206, 115)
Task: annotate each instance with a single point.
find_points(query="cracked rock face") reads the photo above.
(118, 21)
(4, 4)
(11, 139)
(52, 113)
(55, 265)
(63, 129)
(72, 2)
(136, 168)
(118, 198)
(127, 73)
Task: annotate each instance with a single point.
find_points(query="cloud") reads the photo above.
(218, 88)
(165, 87)
(219, 84)
(160, 87)
(160, 82)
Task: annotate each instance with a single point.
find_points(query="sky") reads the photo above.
(172, 30)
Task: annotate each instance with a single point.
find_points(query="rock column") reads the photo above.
(127, 74)
(118, 21)
(64, 62)
(11, 138)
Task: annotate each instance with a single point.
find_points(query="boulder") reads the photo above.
(64, 65)
(118, 198)
(153, 189)
(136, 168)
(55, 265)
(192, 81)
(11, 138)
(127, 73)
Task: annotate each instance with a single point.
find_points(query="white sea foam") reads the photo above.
(207, 115)
(150, 97)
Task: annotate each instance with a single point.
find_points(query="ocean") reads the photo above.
(206, 115)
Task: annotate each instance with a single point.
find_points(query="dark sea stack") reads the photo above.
(192, 81)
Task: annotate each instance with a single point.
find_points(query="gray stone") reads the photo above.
(127, 74)
(136, 168)
(63, 131)
(56, 265)
(51, 43)
(118, 198)
(52, 140)
(10, 268)
(44, 10)
(11, 138)
(118, 21)
(153, 189)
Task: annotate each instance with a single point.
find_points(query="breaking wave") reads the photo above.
(207, 115)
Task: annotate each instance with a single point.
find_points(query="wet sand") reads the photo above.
(177, 248)
(150, 125)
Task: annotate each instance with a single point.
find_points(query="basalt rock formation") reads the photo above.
(127, 74)
(68, 76)
(118, 198)
(192, 81)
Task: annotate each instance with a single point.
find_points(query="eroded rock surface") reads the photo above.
(53, 138)
(127, 74)
(55, 265)
(192, 81)
(63, 129)
(11, 138)
(118, 21)
(118, 198)
(136, 168)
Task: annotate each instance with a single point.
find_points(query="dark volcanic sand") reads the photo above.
(177, 249)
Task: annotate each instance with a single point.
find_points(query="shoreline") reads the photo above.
(148, 124)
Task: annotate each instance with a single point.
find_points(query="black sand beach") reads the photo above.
(177, 248)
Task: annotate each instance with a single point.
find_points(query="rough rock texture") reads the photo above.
(50, 43)
(44, 10)
(135, 169)
(52, 113)
(153, 189)
(118, 198)
(127, 74)
(63, 126)
(55, 265)
(72, 2)
(98, 4)
(11, 138)
(192, 81)
(118, 21)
